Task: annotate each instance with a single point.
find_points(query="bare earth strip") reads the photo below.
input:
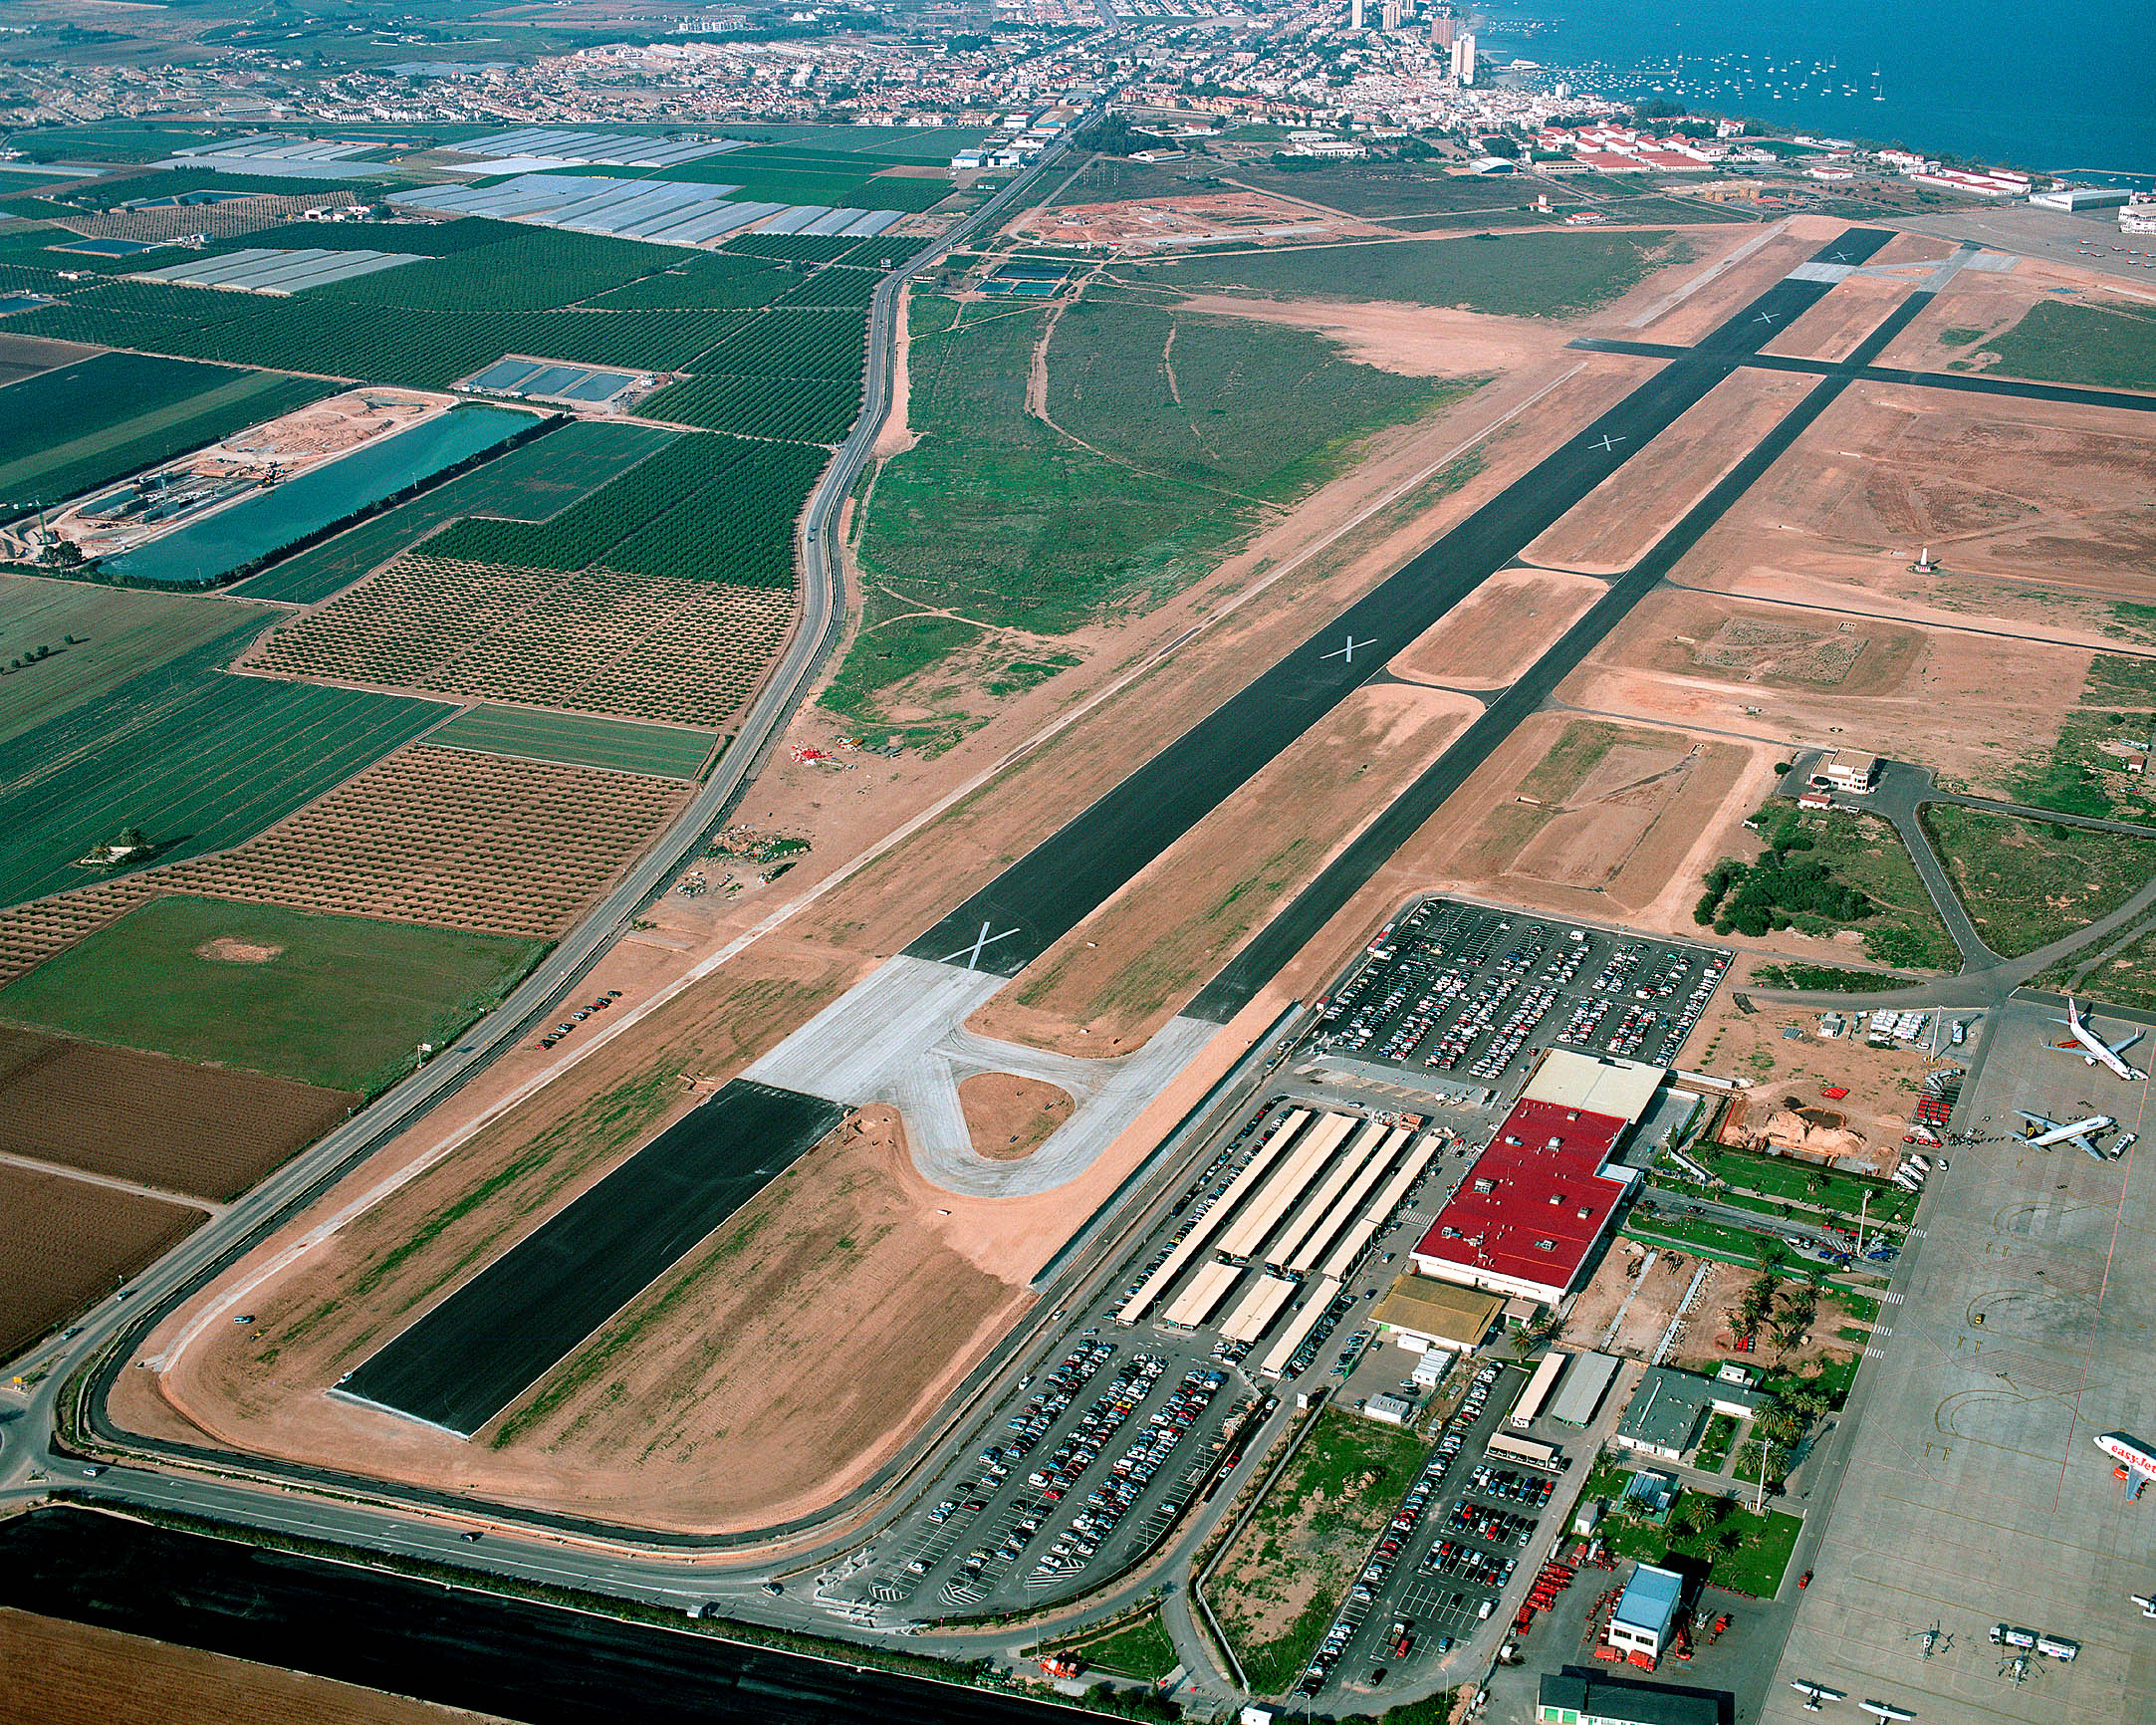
(1500, 630)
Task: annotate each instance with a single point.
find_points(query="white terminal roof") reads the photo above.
(1621, 1088)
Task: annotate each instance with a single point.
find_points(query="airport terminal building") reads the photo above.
(1536, 1205)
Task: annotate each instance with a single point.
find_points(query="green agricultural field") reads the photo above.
(618, 744)
(1530, 274)
(199, 760)
(119, 635)
(383, 343)
(341, 1001)
(2026, 883)
(74, 428)
(1117, 179)
(2110, 347)
(533, 482)
(702, 279)
(704, 508)
(520, 269)
(794, 409)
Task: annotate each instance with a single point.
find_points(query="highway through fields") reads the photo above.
(110, 1329)
(1042, 897)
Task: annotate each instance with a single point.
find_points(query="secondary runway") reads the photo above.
(513, 1323)
(1016, 917)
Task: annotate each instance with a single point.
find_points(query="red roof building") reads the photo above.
(1529, 1211)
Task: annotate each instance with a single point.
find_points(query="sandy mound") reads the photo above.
(1010, 1117)
(227, 949)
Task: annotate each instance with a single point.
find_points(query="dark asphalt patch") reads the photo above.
(507, 1327)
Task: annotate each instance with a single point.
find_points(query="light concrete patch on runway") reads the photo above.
(901, 1037)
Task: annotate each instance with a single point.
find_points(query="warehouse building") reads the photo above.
(1669, 1407)
(1421, 1313)
(1588, 1699)
(1586, 1383)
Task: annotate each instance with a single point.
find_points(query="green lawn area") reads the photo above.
(1793, 974)
(119, 633)
(1802, 1183)
(342, 1002)
(1707, 1239)
(72, 429)
(670, 751)
(1138, 1650)
(533, 482)
(1828, 870)
(2026, 883)
(1388, 188)
(1737, 1550)
(197, 759)
(1713, 1445)
(1291, 1566)
(1528, 275)
(2110, 347)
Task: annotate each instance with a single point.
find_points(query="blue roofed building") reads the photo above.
(1641, 1620)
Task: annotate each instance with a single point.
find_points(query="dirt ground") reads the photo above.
(1415, 340)
(1646, 1319)
(676, 1426)
(1118, 975)
(152, 1119)
(1972, 706)
(1852, 310)
(1686, 633)
(1602, 843)
(1883, 1084)
(1993, 302)
(62, 1673)
(1619, 522)
(1659, 317)
(2049, 492)
(1161, 224)
(1498, 630)
(1008, 1117)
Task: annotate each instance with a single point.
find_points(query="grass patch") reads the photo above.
(1307, 1540)
(1824, 870)
(2107, 347)
(2084, 771)
(1713, 1445)
(1530, 274)
(619, 745)
(1779, 1178)
(2026, 885)
(1707, 1537)
(1142, 1649)
(197, 759)
(2125, 977)
(341, 1001)
(1708, 1240)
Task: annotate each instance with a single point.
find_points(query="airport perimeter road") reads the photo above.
(222, 1241)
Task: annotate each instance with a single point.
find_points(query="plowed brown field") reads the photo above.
(65, 1243)
(152, 1119)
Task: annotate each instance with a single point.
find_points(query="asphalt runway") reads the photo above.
(1295, 928)
(453, 1646)
(1029, 906)
(507, 1327)
(1973, 383)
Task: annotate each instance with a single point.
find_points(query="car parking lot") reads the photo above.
(1466, 1527)
(1467, 991)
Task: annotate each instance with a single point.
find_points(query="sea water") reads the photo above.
(2023, 84)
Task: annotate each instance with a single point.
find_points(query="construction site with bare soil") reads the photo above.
(1546, 640)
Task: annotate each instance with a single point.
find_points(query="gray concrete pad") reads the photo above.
(900, 1037)
(2023, 1326)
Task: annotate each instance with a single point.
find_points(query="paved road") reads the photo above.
(1986, 978)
